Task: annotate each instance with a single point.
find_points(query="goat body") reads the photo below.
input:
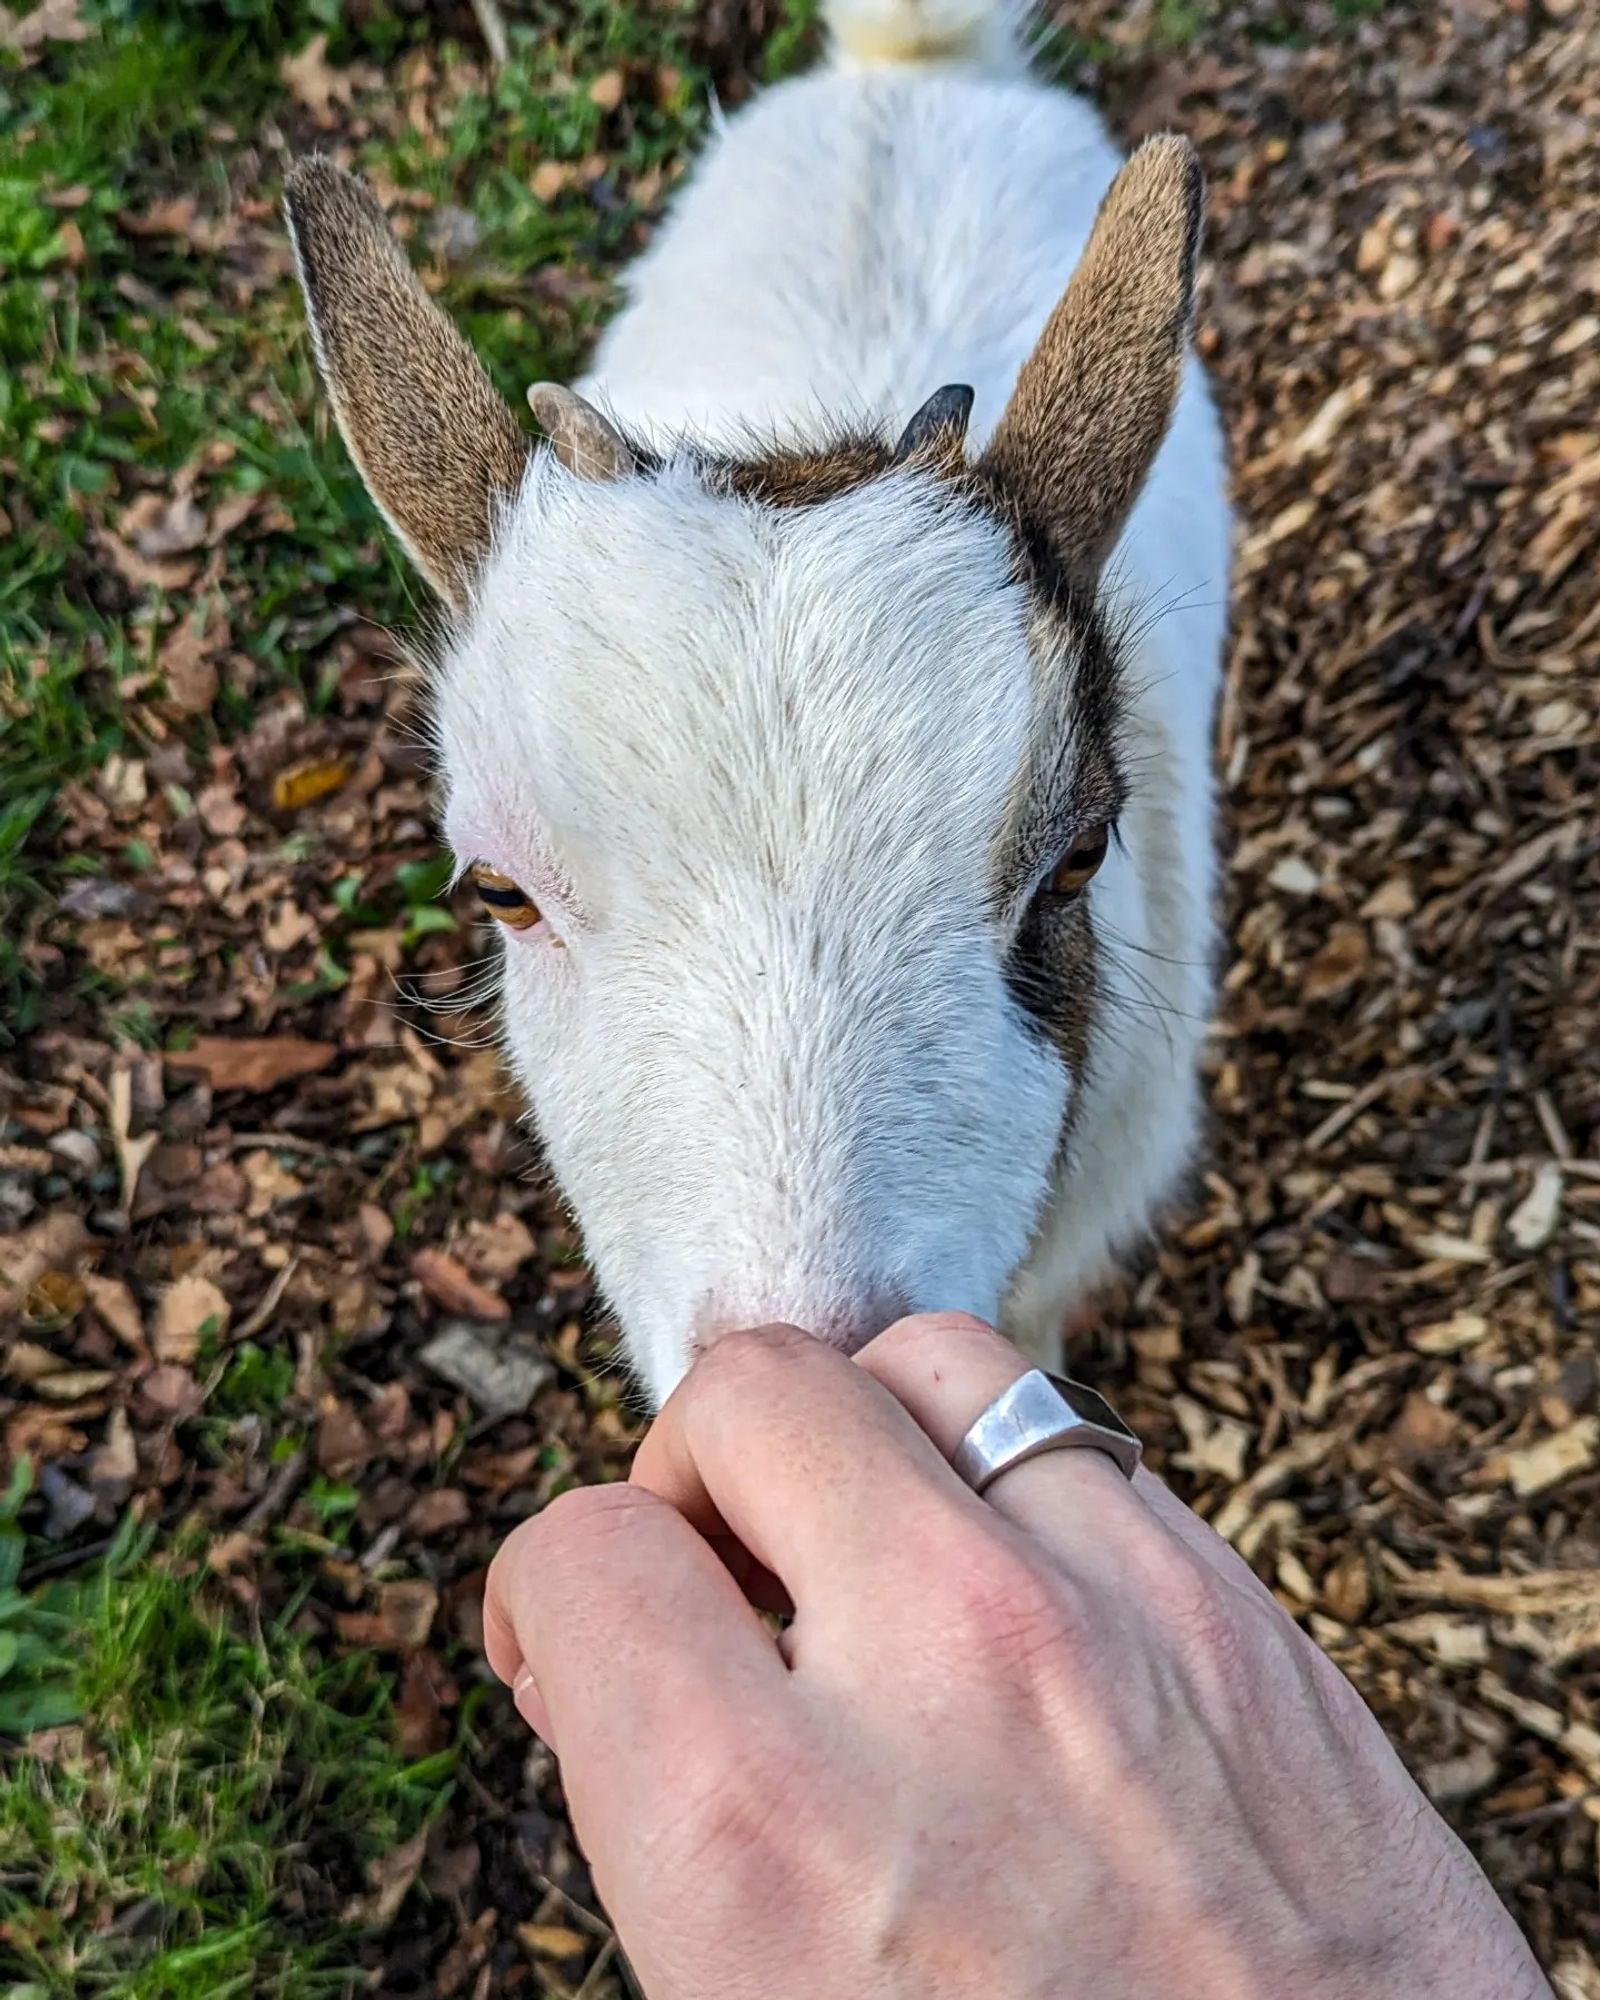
(839, 758)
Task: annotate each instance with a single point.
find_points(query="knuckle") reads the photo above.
(933, 1334)
(1190, 1602)
(752, 1353)
(1007, 1613)
(587, 1519)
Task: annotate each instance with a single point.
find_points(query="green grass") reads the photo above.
(227, 1790)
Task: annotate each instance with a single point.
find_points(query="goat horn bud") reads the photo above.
(586, 444)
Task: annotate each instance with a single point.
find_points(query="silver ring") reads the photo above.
(1042, 1412)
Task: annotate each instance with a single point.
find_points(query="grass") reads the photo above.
(197, 1833)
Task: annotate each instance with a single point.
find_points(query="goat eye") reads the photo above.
(1074, 870)
(501, 897)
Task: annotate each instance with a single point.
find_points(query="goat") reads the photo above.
(826, 710)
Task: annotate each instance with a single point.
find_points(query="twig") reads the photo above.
(268, 1306)
(291, 1142)
(492, 27)
(1537, 1815)
(603, 1957)
(280, 1491)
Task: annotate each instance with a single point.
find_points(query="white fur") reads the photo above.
(753, 762)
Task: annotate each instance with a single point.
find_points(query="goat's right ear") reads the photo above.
(438, 447)
(1095, 396)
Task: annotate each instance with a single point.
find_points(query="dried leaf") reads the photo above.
(449, 1283)
(49, 21)
(432, 1513)
(391, 1877)
(245, 1062)
(56, 1242)
(113, 1304)
(302, 784)
(191, 1309)
(315, 82)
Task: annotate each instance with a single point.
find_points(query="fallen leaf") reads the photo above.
(50, 21)
(221, 811)
(27, 1361)
(232, 1551)
(302, 784)
(70, 1385)
(449, 1283)
(56, 1242)
(432, 1513)
(497, 1250)
(139, 572)
(191, 1308)
(254, 1062)
(391, 1876)
(343, 1445)
(402, 1621)
(420, 1724)
(160, 525)
(56, 1295)
(188, 660)
(172, 1390)
(315, 82)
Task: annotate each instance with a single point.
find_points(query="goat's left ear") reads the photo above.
(1094, 398)
(438, 447)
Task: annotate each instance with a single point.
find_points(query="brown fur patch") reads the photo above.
(438, 447)
(804, 478)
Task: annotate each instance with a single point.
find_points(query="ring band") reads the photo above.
(1042, 1412)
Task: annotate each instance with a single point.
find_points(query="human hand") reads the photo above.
(1058, 1741)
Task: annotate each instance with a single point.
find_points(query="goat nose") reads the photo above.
(846, 1326)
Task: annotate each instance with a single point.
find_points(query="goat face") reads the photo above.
(766, 774)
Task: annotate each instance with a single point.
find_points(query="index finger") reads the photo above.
(816, 1469)
(637, 1639)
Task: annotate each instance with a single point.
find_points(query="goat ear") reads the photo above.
(438, 447)
(1094, 398)
(586, 444)
(939, 427)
